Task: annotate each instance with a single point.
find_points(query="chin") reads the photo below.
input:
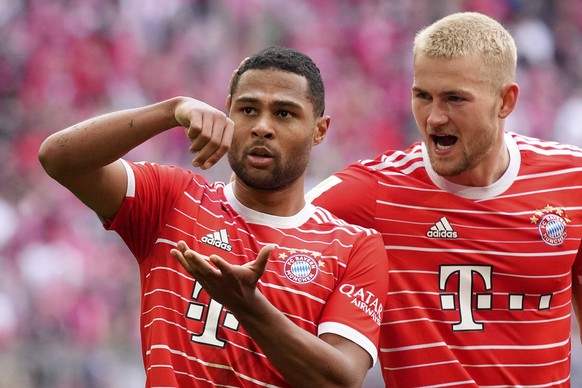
(446, 169)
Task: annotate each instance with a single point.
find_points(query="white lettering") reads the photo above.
(347, 289)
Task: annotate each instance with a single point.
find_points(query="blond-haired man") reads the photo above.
(482, 227)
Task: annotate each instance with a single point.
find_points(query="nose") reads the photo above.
(263, 128)
(437, 117)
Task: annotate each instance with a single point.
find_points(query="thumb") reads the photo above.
(260, 263)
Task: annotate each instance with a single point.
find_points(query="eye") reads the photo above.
(422, 96)
(284, 114)
(456, 99)
(248, 111)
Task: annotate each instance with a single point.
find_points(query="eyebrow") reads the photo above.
(277, 103)
(454, 92)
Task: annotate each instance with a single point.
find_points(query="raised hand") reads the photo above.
(233, 75)
(234, 286)
(208, 129)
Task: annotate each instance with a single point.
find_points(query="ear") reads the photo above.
(509, 94)
(228, 102)
(321, 129)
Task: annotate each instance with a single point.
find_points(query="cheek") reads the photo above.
(299, 150)
(239, 137)
(420, 120)
(235, 149)
(418, 112)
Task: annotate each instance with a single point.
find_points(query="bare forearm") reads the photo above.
(98, 141)
(302, 358)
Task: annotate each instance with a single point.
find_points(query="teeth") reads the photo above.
(445, 142)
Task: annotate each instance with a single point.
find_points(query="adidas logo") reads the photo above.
(441, 229)
(218, 239)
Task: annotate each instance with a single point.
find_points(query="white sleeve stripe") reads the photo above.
(130, 192)
(351, 334)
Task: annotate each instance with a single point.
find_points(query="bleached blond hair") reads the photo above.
(469, 33)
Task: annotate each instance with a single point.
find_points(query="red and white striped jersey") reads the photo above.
(326, 276)
(480, 277)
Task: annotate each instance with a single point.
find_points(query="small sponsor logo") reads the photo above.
(218, 239)
(442, 229)
(364, 300)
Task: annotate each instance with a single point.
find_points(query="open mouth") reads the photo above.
(260, 157)
(444, 141)
(261, 152)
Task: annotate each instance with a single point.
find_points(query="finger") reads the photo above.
(224, 146)
(182, 246)
(222, 265)
(194, 127)
(180, 258)
(234, 73)
(200, 132)
(189, 255)
(231, 81)
(217, 146)
(260, 263)
(200, 264)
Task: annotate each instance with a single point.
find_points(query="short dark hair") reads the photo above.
(292, 61)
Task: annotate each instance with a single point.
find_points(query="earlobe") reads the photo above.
(509, 99)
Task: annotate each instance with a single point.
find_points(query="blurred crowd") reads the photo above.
(69, 291)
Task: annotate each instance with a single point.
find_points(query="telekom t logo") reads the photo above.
(209, 335)
(467, 276)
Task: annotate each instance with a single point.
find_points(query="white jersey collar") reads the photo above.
(479, 193)
(255, 217)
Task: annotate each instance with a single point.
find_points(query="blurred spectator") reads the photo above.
(68, 295)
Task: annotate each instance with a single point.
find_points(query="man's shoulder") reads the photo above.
(329, 221)
(393, 159)
(544, 146)
(182, 181)
(535, 150)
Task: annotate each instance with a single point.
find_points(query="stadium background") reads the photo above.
(69, 291)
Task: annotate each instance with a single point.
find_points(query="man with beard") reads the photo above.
(482, 227)
(284, 293)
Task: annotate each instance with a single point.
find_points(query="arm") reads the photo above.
(85, 157)
(302, 358)
(577, 288)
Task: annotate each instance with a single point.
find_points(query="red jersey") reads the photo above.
(480, 277)
(326, 276)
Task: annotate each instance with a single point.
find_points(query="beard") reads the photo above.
(452, 167)
(470, 155)
(279, 175)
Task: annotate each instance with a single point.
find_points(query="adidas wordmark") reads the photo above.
(441, 229)
(218, 239)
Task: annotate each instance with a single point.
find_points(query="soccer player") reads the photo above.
(307, 311)
(482, 227)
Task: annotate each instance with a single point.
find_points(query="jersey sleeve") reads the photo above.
(355, 308)
(151, 192)
(577, 286)
(349, 194)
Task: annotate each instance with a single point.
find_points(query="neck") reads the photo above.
(487, 171)
(284, 202)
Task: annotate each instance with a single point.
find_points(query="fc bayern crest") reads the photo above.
(300, 268)
(551, 223)
(552, 229)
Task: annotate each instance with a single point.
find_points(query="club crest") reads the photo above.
(300, 266)
(551, 222)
